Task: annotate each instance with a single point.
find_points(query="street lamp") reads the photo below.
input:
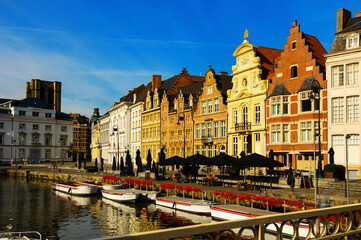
(316, 91)
(182, 118)
(346, 180)
(115, 129)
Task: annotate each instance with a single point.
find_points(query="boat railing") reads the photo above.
(21, 235)
(327, 223)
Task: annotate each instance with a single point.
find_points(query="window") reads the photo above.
(210, 90)
(63, 128)
(48, 128)
(245, 144)
(209, 129)
(215, 150)
(63, 140)
(22, 137)
(234, 117)
(47, 153)
(1, 139)
(306, 129)
(197, 149)
(245, 114)
(210, 106)
(354, 139)
(352, 74)
(216, 105)
(285, 133)
(276, 106)
(47, 139)
(293, 44)
(235, 145)
(180, 135)
(35, 114)
(22, 126)
(203, 150)
(35, 138)
(337, 76)
(1, 153)
(209, 151)
(197, 131)
(48, 115)
(306, 104)
(35, 127)
(203, 130)
(188, 151)
(188, 133)
(276, 133)
(337, 109)
(352, 109)
(1, 125)
(257, 110)
(215, 129)
(293, 71)
(223, 128)
(285, 105)
(257, 137)
(352, 42)
(203, 107)
(21, 154)
(22, 113)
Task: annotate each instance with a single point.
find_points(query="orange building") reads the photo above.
(81, 137)
(293, 106)
(176, 115)
(210, 115)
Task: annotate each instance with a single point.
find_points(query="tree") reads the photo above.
(149, 161)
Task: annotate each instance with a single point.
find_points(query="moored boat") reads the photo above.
(29, 235)
(74, 188)
(121, 195)
(186, 204)
(103, 185)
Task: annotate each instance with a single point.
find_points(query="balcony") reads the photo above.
(207, 140)
(243, 126)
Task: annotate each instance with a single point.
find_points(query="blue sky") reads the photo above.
(100, 50)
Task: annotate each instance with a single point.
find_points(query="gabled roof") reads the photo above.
(129, 96)
(192, 88)
(280, 89)
(307, 84)
(168, 84)
(267, 56)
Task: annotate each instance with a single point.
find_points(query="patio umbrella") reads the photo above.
(114, 167)
(149, 160)
(79, 163)
(118, 164)
(271, 156)
(129, 163)
(161, 159)
(84, 163)
(138, 162)
(153, 166)
(121, 167)
(101, 164)
(331, 152)
(223, 159)
(197, 159)
(291, 179)
(172, 161)
(256, 160)
(96, 163)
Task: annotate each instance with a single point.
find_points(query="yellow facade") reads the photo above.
(246, 103)
(95, 142)
(151, 134)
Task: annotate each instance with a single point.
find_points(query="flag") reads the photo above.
(109, 144)
(113, 144)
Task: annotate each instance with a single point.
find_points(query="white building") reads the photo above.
(31, 131)
(104, 137)
(343, 69)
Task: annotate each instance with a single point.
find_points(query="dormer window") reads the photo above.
(352, 41)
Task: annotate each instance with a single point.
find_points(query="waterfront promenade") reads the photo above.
(334, 191)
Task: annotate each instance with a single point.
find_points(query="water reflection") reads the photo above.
(29, 206)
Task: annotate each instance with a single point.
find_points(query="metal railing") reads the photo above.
(243, 126)
(207, 139)
(326, 223)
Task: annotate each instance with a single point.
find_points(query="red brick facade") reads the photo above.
(291, 113)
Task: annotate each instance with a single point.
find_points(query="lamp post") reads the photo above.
(115, 129)
(182, 118)
(346, 180)
(316, 91)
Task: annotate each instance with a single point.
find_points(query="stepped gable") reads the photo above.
(183, 79)
(316, 48)
(268, 57)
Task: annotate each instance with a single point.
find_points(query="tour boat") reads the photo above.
(185, 204)
(121, 195)
(103, 186)
(30, 235)
(74, 188)
(237, 212)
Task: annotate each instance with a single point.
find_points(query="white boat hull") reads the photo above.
(185, 205)
(225, 214)
(103, 187)
(120, 196)
(75, 189)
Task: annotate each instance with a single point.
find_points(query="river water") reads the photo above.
(34, 206)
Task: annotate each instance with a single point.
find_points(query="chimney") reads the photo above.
(343, 16)
(134, 97)
(295, 28)
(223, 73)
(96, 112)
(358, 14)
(156, 82)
